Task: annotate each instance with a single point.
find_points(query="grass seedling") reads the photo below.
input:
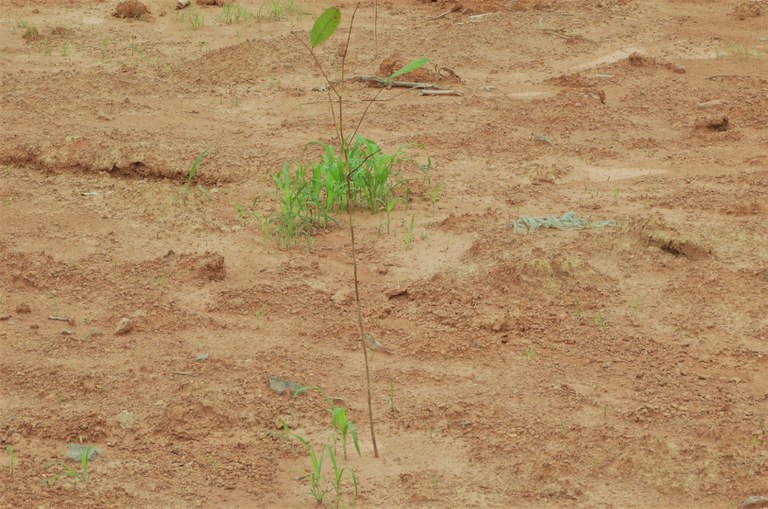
(389, 206)
(343, 428)
(66, 472)
(391, 398)
(192, 173)
(105, 44)
(579, 312)
(11, 459)
(408, 239)
(162, 279)
(315, 478)
(196, 20)
(338, 473)
(529, 353)
(315, 475)
(280, 9)
(31, 34)
(600, 321)
(233, 13)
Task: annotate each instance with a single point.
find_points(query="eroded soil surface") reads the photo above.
(624, 366)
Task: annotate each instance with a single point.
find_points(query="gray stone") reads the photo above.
(754, 502)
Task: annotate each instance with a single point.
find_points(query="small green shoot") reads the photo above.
(408, 239)
(11, 459)
(233, 13)
(344, 427)
(529, 353)
(338, 473)
(259, 314)
(280, 9)
(391, 398)
(84, 455)
(196, 20)
(192, 173)
(600, 321)
(579, 312)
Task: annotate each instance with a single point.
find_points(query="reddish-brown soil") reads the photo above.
(618, 367)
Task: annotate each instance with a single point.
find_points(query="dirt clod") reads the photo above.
(750, 9)
(716, 123)
(131, 9)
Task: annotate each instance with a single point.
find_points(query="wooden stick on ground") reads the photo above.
(385, 83)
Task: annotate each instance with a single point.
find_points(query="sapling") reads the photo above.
(324, 27)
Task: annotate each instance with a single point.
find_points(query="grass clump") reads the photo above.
(311, 193)
(320, 482)
(234, 13)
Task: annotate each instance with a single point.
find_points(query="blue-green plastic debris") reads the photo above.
(568, 221)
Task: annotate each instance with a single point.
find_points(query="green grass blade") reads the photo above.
(353, 432)
(193, 169)
(325, 25)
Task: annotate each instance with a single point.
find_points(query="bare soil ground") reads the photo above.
(618, 367)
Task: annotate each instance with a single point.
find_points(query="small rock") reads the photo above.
(282, 386)
(342, 296)
(709, 104)
(67, 332)
(396, 292)
(23, 309)
(202, 357)
(754, 502)
(125, 419)
(5, 317)
(124, 326)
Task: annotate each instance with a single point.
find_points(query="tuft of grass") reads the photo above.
(280, 9)
(234, 13)
(193, 17)
(600, 321)
(310, 193)
(318, 482)
(64, 471)
(31, 34)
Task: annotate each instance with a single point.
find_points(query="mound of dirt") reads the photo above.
(750, 9)
(131, 9)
